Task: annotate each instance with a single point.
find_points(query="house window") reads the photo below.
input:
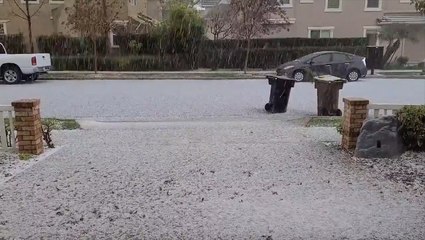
(320, 32)
(56, 1)
(3, 29)
(285, 3)
(31, 1)
(373, 5)
(333, 6)
(371, 33)
(112, 39)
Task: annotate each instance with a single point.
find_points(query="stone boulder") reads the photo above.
(379, 138)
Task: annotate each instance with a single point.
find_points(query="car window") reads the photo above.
(324, 58)
(338, 57)
(2, 50)
(306, 57)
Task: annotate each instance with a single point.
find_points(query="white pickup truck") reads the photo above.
(17, 67)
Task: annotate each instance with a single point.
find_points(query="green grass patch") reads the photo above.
(324, 122)
(61, 124)
(25, 156)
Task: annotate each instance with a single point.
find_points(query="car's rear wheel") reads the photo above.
(353, 75)
(299, 75)
(12, 74)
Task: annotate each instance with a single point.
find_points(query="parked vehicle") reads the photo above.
(17, 67)
(339, 64)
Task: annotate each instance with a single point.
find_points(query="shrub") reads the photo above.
(412, 130)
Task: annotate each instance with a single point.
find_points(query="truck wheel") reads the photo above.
(12, 75)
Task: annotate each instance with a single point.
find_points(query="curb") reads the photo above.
(146, 77)
(395, 76)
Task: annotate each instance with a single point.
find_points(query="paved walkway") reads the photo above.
(229, 179)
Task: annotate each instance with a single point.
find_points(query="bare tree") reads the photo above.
(26, 12)
(93, 19)
(254, 19)
(419, 5)
(219, 22)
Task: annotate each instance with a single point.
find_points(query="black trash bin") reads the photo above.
(328, 95)
(279, 93)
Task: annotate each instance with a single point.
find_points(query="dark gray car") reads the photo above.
(340, 64)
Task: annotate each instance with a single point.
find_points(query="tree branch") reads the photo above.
(19, 7)
(39, 7)
(17, 15)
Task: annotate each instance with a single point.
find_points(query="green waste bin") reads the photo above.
(328, 95)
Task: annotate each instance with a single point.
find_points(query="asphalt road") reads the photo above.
(191, 99)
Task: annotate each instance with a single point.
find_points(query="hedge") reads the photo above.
(286, 43)
(259, 58)
(142, 52)
(262, 58)
(14, 44)
(128, 63)
(58, 45)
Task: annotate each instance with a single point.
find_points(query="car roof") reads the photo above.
(323, 52)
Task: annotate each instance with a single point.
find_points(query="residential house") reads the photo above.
(353, 18)
(51, 17)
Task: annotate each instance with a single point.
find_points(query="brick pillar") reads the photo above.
(355, 113)
(28, 126)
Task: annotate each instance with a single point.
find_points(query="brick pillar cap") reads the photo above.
(26, 103)
(353, 100)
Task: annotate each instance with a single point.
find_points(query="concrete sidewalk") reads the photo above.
(200, 74)
(258, 179)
